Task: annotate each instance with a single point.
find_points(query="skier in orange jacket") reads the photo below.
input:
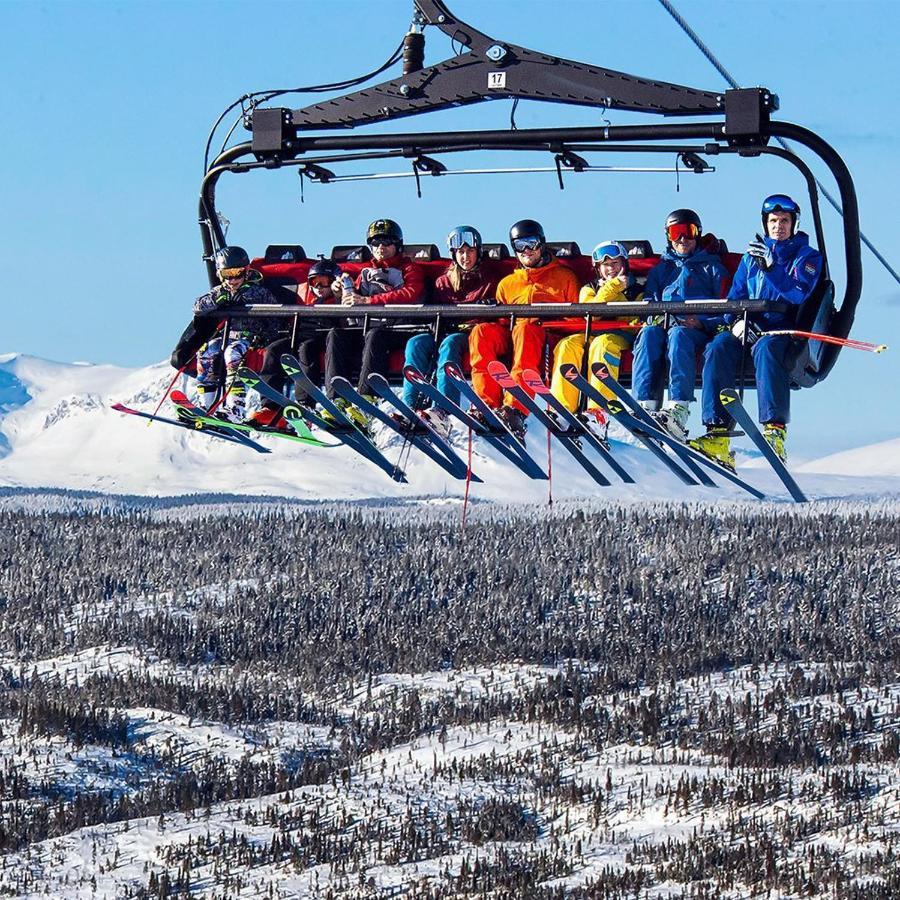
(540, 279)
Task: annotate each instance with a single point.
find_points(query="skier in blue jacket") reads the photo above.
(684, 272)
(780, 266)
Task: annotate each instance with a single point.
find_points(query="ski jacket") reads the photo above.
(794, 274)
(475, 286)
(552, 283)
(611, 291)
(251, 291)
(700, 276)
(395, 280)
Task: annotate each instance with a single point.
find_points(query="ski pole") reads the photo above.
(850, 343)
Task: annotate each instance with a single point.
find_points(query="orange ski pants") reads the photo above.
(493, 340)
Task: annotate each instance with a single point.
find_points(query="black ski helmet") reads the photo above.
(327, 267)
(386, 228)
(526, 228)
(231, 258)
(683, 217)
(780, 203)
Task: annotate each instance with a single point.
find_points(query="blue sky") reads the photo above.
(109, 104)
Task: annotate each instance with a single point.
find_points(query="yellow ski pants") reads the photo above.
(605, 348)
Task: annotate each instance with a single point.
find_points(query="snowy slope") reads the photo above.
(57, 431)
(882, 459)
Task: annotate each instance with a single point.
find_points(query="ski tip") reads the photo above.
(119, 407)
(568, 371)
(600, 371)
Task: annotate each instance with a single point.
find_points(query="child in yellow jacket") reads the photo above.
(613, 284)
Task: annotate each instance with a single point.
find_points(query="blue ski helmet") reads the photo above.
(780, 203)
(464, 236)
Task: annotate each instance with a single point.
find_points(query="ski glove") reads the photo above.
(761, 253)
(753, 332)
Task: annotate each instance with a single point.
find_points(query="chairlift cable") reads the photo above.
(701, 46)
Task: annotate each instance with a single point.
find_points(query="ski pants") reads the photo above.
(680, 346)
(490, 341)
(720, 365)
(343, 348)
(423, 352)
(309, 348)
(606, 348)
(209, 368)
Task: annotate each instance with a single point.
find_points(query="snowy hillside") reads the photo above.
(57, 430)
(882, 459)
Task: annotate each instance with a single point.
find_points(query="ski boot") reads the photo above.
(776, 434)
(673, 420)
(233, 412)
(514, 420)
(438, 419)
(353, 413)
(716, 445)
(268, 418)
(595, 421)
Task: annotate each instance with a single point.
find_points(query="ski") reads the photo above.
(642, 432)
(571, 374)
(535, 382)
(345, 431)
(641, 414)
(413, 430)
(202, 420)
(290, 410)
(735, 408)
(566, 436)
(495, 439)
(496, 426)
(231, 438)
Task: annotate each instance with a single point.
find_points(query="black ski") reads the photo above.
(413, 431)
(641, 414)
(571, 374)
(642, 432)
(535, 382)
(566, 436)
(231, 438)
(498, 440)
(494, 423)
(735, 408)
(345, 431)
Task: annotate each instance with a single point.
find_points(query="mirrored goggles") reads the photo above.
(780, 203)
(238, 272)
(529, 243)
(685, 231)
(462, 239)
(608, 251)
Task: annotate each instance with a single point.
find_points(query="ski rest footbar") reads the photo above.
(638, 412)
(566, 436)
(495, 439)
(497, 428)
(735, 408)
(456, 468)
(534, 381)
(231, 438)
(347, 433)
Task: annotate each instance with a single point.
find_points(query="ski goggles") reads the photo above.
(529, 243)
(683, 231)
(320, 281)
(780, 203)
(609, 250)
(463, 238)
(380, 241)
(237, 272)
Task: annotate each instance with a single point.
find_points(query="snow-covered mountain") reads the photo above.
(57, 430)
(881, 459)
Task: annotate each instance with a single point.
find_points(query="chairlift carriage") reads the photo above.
(323, 139)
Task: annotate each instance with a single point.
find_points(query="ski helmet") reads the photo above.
(524, 229)
(327, 267)
(385, 229)
(682, 217)
(231, 258)
(780, 203)
(609, 250)
(464, 236)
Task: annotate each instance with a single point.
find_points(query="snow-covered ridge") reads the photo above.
(57, 430)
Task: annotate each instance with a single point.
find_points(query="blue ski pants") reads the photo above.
(720, 365)
(420, 353)
(680, 346)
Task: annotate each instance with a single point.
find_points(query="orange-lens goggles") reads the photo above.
(238, 272)
(687, 230)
